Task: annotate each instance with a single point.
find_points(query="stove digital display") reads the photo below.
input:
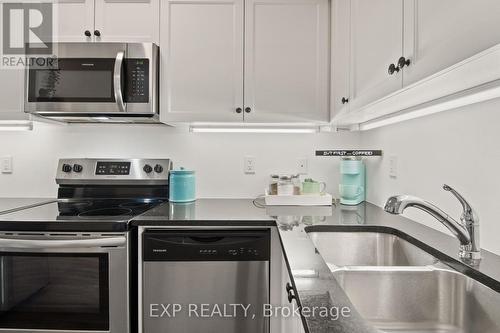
(112, 168)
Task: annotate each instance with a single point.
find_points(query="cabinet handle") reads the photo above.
(239, 110)
(393, 69)
(88, 33)
(402, 62)
(345, 100)
(289, 291)
(97, 33)
(248, 110)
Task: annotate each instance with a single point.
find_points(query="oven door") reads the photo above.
(59, 283)
(94, 79)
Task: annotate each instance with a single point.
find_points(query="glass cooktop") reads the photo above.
(84, 210)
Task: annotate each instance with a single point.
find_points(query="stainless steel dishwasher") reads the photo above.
(201, 280)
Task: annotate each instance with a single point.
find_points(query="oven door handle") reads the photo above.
(117, 81)
(61, 244)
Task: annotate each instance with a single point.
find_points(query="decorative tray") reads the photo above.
(324, 199)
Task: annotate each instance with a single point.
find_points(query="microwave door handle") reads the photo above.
(117, 81)
(14, 243)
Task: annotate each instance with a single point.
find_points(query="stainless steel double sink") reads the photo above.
(398, 287)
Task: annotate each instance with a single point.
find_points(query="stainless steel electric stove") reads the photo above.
(65, 264)
(96, 195)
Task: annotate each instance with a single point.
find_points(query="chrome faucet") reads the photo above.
(467, 231)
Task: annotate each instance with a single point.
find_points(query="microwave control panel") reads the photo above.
(137, 81)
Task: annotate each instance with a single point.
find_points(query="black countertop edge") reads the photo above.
(444, 258)
(305, 325)
(201, 223)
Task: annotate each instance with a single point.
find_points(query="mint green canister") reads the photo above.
(182, 185)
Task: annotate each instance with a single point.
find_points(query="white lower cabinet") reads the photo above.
(289, 324)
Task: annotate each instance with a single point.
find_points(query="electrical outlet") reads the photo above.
(249, 165)
(393, 166)
(302, 166)
(6, 164)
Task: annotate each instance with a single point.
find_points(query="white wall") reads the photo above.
(216, 157)
(460, 148)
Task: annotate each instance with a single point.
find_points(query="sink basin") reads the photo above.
(340, 249)
(421, 300)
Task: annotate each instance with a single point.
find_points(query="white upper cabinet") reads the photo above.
(107, 20)
(201, 60)
(341, 12)
(376, 42)
(127, 20)
(287, 60)
(245, 60)
(439, 34)
(74, 20)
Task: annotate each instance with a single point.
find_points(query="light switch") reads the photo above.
(6, 164)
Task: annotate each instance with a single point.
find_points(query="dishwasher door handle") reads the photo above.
(206, 239)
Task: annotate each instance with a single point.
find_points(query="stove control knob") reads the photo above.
(77, 168)
(147, 168)
(66, 168)
(158, 168)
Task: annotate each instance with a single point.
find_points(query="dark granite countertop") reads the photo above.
(206, 211)
(321, 288)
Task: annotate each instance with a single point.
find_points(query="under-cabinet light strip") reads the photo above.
(8, 125)
(299, 130)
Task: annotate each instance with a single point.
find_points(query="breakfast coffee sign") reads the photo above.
(349, 153)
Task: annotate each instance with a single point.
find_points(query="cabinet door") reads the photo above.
(72, 19)
(341, 12)
(202, 60)
(288, 324)
(439, 34)
(127, 20)
(287, 60)
(376, 42)
(292, 323)
(11, 94)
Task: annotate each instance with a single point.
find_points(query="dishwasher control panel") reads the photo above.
(206, 245)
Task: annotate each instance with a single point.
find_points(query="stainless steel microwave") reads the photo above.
(96, 82)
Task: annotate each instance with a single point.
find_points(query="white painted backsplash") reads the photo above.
(460, 148)
(216, 157)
